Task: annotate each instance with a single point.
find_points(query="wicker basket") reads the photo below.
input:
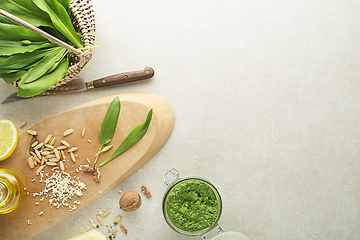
(83, 19)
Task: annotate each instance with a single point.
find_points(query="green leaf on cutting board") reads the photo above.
(134, 136)
(27, 11)
(60, 19)
(108, 125)
(43, 65)
(45, 82)
(110, 121)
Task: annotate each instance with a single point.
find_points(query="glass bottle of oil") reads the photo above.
(11, 191)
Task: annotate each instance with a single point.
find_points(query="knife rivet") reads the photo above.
(126, 76)
(147, 72)
(103, 81)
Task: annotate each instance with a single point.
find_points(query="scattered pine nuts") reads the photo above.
(106, 212)
(123, 229)
(40, 169)
(117, 219)
(100, 219)
(65, 143)
(57, 154)
(34, 144)
(68, 132)
(23, 125)
(32, 132)
(72, 157)
(83, 132)
(31, 162)
(47, 139)
(52, 141)
(38, 146)
(62, 166)
(73, 149)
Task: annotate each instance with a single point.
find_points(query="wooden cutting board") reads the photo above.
(134, 109)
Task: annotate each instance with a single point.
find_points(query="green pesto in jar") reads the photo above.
(192, 206)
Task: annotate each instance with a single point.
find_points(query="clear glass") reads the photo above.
(11, 191)
(173, 184)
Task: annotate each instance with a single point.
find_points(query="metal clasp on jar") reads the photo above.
(173, 173)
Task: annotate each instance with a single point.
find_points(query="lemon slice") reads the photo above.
(9, 137)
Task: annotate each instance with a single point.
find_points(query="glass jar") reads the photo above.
(11, 191)
(181, 188)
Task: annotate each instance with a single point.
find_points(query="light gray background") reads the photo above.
(266, 97)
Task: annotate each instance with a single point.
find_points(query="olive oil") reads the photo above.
(11, 191)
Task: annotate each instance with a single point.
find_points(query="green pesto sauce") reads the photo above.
(192, 206)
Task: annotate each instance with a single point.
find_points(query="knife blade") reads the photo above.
(78, 84)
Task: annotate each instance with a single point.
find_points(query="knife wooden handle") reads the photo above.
(125, 77)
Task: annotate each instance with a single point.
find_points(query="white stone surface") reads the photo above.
(267, 102)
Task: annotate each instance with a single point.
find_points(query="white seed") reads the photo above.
(62, 166)
(65, 143)
(32, 153)
(49, 146)
(73, 149)
(72, 157)
(34, 144)
(68, 132)
(52, 141)
(44, 153)
(83, 132)
(47, 139)
(61, 147)
(32, 132)
(63, 155)
(57, 154)
(23, 125)
(38, 154)
(36, 159)
(50, 156)
(106, 212)
(41, 213)
(40, 169)
(117, 219)
(43, 160)
(31, 162)
(38, 146)
(100, 219)
(51, 163)
(53, 160)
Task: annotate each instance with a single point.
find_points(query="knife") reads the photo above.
(78, 84)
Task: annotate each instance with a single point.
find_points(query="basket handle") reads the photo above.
(77, 52)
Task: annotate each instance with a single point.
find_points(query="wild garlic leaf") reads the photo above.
(12, 77)
(23, 60)
(18, 33)
(43, 65)
(134, 136)
(45, 82)
(66, 5)
(12, 47)
(110, 121)
(60, 19)
(27, 11)
(105, 149)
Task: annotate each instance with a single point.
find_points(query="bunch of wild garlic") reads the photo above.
(25, 55)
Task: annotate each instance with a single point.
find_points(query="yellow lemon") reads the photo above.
(9, 137)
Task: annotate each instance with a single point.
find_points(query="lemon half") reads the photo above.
(9, 137)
